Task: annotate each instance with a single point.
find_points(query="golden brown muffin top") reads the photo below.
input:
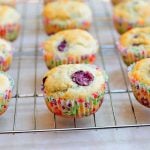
(133, 11)
(8, 15)
(73, 81)
(77, 43)
(141, 71)
(139, 37)
(66, 10)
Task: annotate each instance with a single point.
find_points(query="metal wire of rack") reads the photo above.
(27, 111)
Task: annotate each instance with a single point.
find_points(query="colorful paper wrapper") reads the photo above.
(133, 54)
(10, 31)
(75, 108)
(3, 106)
(51, 61)
(51, 27)
(141, 91)
(5, 63)
(6, 96)
(123, 25)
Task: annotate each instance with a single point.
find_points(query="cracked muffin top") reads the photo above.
(67, 10)
(74, 42)
(140, 72)
(134, 11)
(73, 81)
(139, 38)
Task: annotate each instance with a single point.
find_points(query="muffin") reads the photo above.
(131, 14)
(61, 15)
(8, 2)
(139, 76)
(74, 90)
(6, 87)
(115, 2)
(69, 47)
(47, 1)
(9, 23)
(134, 45)
(5, 55)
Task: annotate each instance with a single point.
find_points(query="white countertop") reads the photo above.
(121, 139)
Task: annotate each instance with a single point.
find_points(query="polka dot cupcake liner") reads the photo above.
(142, 94)
(6, 95)
(10, 32)
(3, 106)
(5, 63)
(123, 26)
(75, 108)
(133, 54)
(140, 90)
(52, 62)
(51, 27)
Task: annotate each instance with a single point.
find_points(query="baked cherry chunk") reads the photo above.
(62, 46)
(82, 78)
(44, 79)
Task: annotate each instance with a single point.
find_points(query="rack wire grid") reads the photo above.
(27, 111)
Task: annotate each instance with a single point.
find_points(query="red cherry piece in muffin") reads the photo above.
(82, 78)
(44, 79)
(62, 46)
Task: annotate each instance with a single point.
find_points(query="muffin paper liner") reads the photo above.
(6, 96)
(3, 106)
(141, 91)
(53, 62)
(10, 31)
(122, 25)
(52, 28)
(5, 63)
(79, 106)
(75, 108)
(133, 55)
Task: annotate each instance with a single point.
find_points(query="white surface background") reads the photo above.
(124, 139)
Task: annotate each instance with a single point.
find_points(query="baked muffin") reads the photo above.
(131, 14)
(48, 1)
(9, 23)
(134, 45)
(8, 2)
(115, 2)
(6, 87)
(61, 15)
(69, 47)
(74, 90)
(5, 55)
(139, 76)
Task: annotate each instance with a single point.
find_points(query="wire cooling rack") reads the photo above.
(27, 110)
